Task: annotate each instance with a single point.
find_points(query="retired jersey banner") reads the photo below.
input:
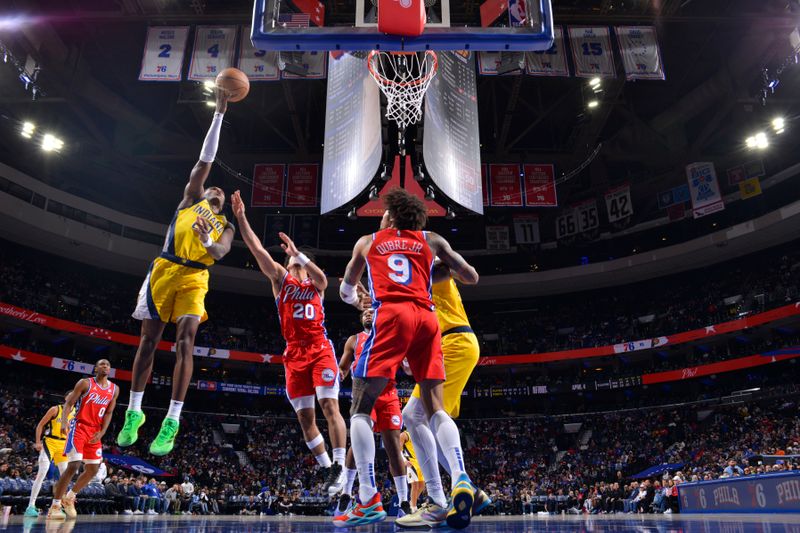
(267, 186)
(704, 189)
(301, 185)
(587, 218)
(505, 185)
(315, 63)
(591, 52)
(213, 51)
(493, 63)
(618, 203)
(163, 53)
(259, 65)
(540, 186)
(485, 184)
(552, 62)
(641, 56)
(749, 188)
(566, 224)
(526, 229)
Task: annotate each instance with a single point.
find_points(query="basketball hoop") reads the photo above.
(403, 77)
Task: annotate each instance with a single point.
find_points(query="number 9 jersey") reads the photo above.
(399, 265)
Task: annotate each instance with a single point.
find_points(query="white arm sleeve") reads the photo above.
(209, 150)
(348, 293)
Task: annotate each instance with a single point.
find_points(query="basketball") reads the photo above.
(235, 82)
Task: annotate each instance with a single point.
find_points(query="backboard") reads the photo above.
(351, 25)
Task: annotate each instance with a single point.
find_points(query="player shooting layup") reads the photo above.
(399, 260)
(309, 359)
(175, 289)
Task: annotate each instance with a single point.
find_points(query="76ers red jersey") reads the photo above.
(92, 406)
(399, 264)
(300, 311)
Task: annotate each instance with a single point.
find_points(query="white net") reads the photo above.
(403, 77)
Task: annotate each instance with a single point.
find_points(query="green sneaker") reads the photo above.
(31, 511)
(130, 431)
(165, 440)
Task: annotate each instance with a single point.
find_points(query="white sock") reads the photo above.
(351, 478)
(339, 455)
(174, 411)
(323, 460)
(425, 446)
(56, 503)
(363, 443)
(448, 438)
(135, 403)
(401, 484)
(41, 473)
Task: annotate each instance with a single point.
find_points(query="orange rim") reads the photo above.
(387, 81)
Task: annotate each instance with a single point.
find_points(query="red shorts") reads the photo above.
(308, 367)
(386, 414)
(402, 330)
(78, 447)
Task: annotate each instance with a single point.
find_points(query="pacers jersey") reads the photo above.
(182, 242)
(91, 408)
(361, 338)
(300, 312)
(449, 308)
(408, 450)
(53, 428)
(399, 265)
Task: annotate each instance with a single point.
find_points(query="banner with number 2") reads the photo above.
(163, 53)
(213, 51)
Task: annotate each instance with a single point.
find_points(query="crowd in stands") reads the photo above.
(526, 464)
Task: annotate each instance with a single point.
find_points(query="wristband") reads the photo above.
(303, 259)
(348, 293)
(207, 242)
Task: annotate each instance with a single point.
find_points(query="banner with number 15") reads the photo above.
(213, 51)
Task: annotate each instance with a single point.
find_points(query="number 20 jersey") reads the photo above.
(399, 265)
(300, 312)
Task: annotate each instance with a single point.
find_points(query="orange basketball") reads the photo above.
(235, 82)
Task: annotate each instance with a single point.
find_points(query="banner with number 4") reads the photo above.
(213, 51)
(163, 53)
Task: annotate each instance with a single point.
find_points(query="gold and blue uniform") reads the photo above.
(459, 344)
(54, 438)
(177, 282)
(413, 471)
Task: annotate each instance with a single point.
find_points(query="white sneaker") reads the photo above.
(151, 511)
(127, 511)
(137, 511)
(668, 511)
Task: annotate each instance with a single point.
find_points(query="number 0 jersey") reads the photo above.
(300, 312)
(399, 265)
(92, 406)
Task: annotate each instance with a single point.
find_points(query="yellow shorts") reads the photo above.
(54, 449)
(171, 291)
(414, 473)
(461, 354)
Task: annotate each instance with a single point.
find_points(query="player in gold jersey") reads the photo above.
(50, 448)
(175, 289)
(413, 471)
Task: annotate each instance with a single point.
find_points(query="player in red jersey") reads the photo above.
(309, 359)
(387, 420)
(399, 262)
(94, 400)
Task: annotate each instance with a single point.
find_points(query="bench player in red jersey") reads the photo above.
(387, 420)
(399, 263)
(309, 359)
(94, 400)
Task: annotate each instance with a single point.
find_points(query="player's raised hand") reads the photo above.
(237, 204)
(288, 245)
(222, 99)
(201, 228)
(97, 436)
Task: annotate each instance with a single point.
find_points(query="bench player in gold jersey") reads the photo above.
(175, 289)
(461, 353)
(50, 448)
(413, 471)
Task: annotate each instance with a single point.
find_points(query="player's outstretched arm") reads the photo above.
(216, 249)
(273, 270)
(197, 179)
(48, 416)
(318, 277)
(347, 356)
(348, 289)
(80, 389)
(459, 268)
(109, 414)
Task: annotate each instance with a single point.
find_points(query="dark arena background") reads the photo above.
(623, 175)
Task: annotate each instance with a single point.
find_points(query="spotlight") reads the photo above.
(209, 103)
(51, 143)
(27, 129)
(750, 142)
(419, 174)
(429, 193)
(385, 174)
(352, 214)
(373, 193)
(450, 214)
(592, 104)
(208, 86)
(594, 83)
(779, 125)
(761, 140)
